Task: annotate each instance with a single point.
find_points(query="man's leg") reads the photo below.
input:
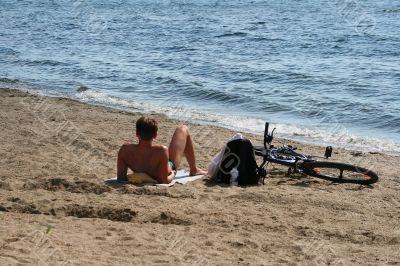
(182, 146)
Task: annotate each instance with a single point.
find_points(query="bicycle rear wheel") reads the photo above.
(340, 172)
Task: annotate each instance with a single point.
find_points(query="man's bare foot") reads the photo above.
(197, 171)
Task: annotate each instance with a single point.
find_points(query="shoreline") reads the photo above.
(57, 152)
(189, 120)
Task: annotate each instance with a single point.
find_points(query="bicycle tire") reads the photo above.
(357, 175)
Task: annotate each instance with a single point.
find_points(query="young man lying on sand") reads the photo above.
(158, 161)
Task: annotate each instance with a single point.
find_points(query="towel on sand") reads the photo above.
(181, 177)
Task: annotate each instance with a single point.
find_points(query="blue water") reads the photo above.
(321, 71)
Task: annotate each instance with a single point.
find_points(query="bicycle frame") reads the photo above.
(268, 152)
(308, 164)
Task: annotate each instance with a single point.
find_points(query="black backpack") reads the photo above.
(238, 153)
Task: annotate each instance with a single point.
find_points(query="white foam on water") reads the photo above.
(337, 135)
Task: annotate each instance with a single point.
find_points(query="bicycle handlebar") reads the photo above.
(266, 134)
(268, 137)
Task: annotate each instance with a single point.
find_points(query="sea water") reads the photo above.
(325, 72)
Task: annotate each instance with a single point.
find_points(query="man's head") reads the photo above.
(146, 128)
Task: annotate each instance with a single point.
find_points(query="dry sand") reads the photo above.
(54, 207)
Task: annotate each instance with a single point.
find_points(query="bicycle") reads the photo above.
(310, 165)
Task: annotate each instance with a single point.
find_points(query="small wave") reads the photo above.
(213, 95)
(265, 39)
(45, 62)
(274, 107)
(10, 81)
(258, 23)
(107, 77)
(391, 53)
(397, 10)
(169, 81)
(166, 80)
(198, 84)
(341, 39)
(181, 48)
(233, 34)
(97, 97)
(82, 88)
(8, 51)
(298, 75)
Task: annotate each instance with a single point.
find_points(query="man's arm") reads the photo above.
(122, 167)
(164, 176)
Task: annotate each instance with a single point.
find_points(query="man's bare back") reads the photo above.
(136, 158)
(145, 157)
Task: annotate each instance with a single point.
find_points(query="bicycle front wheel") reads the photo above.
(340, 172)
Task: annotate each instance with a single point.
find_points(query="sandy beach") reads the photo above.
(55, 208)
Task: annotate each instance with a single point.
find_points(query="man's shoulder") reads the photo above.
(160, 148)
(128, 147)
